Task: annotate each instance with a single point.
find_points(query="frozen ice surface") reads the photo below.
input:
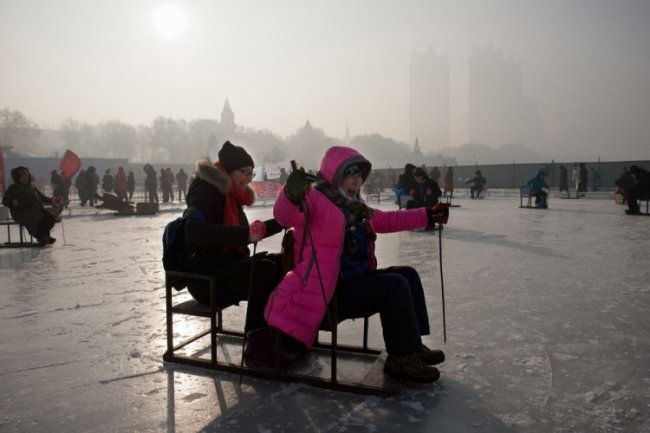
(548, 326)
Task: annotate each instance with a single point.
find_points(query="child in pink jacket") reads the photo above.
(343, 229)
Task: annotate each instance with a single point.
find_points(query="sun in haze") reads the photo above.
(169, 21)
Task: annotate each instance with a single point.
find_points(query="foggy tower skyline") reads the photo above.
(498, 111)
(429, 100)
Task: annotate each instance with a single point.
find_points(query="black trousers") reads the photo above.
(266, 276)
(396, 293)
(639, 190)
(45, 225)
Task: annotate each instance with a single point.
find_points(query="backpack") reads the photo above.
(175, 257)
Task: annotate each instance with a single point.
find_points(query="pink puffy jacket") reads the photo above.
(296, 306)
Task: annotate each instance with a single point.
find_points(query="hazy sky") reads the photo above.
(586, 63)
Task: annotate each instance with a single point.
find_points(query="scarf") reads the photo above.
(354, 211)
(235, 199)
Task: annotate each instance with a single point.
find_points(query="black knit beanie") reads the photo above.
(233, 157)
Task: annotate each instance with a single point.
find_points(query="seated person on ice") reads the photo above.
(639, 190)
(344, 229)
(217, 234)
(478, 184)
(405, 183)
(427, 192)
(113, 202)
(25, 202)
(538, 189)
(625, 181)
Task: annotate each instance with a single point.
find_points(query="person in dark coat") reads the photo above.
(59, 186)
(150, 183)
(26, 205)
(405, 183)
(478, 184)
(427, 191)
(165, 187)
(217, 235)
(584, 177)
(108, 182)
(92, 181)
(130, 185)
(80, 184)
(113, 202)
(181, 182)
(625, 181)
(283, 176)
(564, 179)
(639, 190)
(539, 189)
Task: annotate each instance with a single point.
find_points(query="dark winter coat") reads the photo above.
(30, 209)
(108, 183)
(212, 246)
(427, 193)
(407, 182)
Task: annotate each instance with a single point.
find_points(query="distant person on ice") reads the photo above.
(538, 189)
(113, 202)
(640, 189)
(344, 229)
(427, 192)
(478, 184)
(25, 202)
(405, 183)
(564, 179)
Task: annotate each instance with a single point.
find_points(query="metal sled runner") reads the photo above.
(218, 334)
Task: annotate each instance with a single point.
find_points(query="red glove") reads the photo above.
(438, 213)
(256, 231)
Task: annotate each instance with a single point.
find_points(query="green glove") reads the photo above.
(297, 184)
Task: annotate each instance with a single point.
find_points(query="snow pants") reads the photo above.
(395, 293)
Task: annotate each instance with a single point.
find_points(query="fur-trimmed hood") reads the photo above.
(207, 171)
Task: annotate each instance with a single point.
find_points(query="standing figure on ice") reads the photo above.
(344, 229)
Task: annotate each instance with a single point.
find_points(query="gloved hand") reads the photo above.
(297, 184)
(256, 231)
(438, 213)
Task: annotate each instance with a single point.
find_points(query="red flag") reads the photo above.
(70, 164)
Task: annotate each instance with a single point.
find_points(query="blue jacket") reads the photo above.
(536, 184)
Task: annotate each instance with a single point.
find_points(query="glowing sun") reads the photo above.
(169, 21)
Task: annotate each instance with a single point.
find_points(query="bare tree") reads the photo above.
(18, 131)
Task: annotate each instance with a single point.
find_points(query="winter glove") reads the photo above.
(256, 231)
(438, 214)
(297, 184)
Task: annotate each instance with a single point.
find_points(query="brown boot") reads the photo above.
(431, 357)
(410, 367)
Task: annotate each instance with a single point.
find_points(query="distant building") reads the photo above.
(429, 100)
(499, 113)
(227, 116)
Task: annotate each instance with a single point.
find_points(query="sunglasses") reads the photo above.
(352, 170)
